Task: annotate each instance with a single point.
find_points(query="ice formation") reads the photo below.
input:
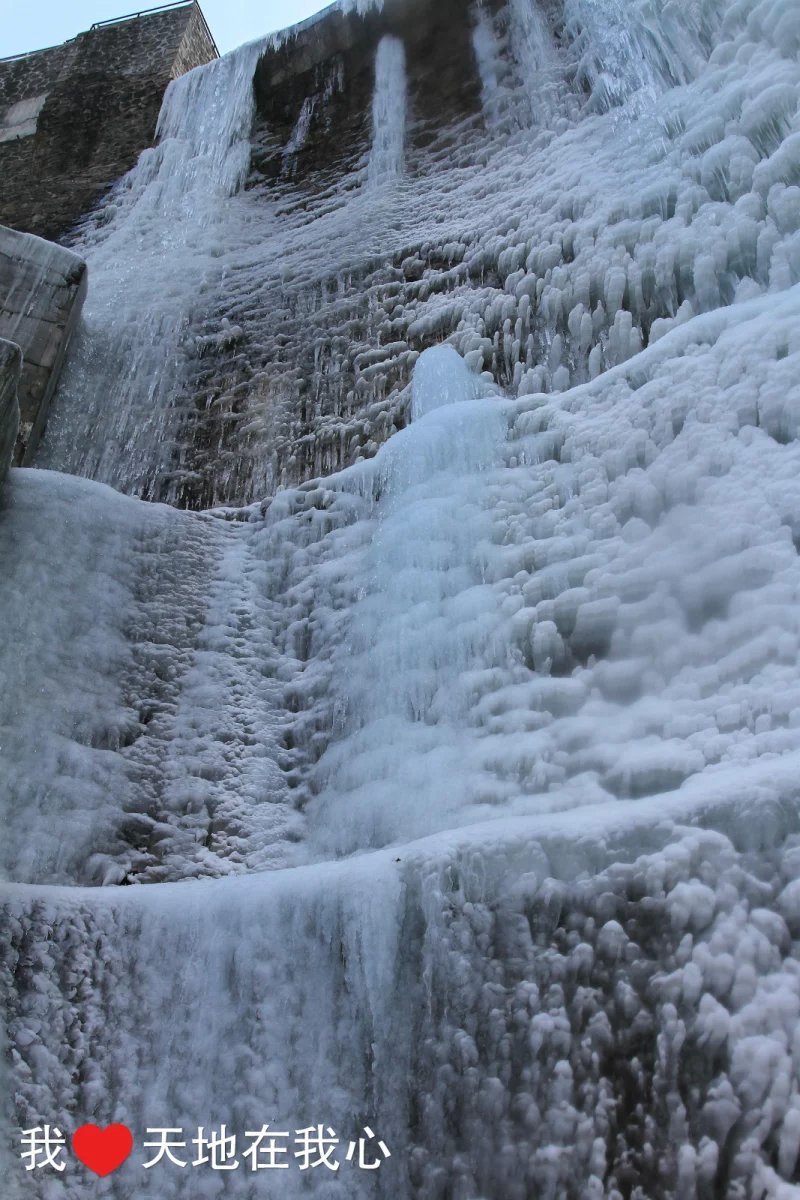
(387, 157)
(155, 253)
(493, 728)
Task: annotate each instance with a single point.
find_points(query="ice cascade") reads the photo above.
(152, 257)
(420, 578)
(536, 56)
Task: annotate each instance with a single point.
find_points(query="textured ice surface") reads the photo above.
(499, 727)
(562, 601)
(138, 720)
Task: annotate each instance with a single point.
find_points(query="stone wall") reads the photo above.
(42, 288)
(74, 118)
(10, 359)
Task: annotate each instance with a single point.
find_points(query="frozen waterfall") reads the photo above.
(461, 747)
(152, 256)
(536, 56)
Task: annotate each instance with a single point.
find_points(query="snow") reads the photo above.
(494, 733)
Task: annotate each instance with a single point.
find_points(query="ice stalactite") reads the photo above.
(389, 113)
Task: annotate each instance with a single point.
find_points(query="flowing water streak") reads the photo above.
(536, 57)
(155, 251)
(487, 60)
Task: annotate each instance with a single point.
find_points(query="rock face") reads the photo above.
(75, 117)
(42, 289)
(10, 358)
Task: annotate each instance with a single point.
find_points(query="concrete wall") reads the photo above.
(10, 359)
(74, 118)
(42, 288)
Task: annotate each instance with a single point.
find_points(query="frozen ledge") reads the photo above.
(718, 805)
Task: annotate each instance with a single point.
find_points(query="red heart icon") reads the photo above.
(102, 1150)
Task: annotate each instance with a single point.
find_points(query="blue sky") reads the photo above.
(33, 24)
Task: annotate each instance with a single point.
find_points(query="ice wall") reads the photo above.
(655, 180)
(534, 672)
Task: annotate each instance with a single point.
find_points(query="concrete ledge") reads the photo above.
(42, 289)
(10, 363)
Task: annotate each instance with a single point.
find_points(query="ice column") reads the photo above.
(389, 104)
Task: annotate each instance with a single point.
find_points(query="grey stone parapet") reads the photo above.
(42, 289)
